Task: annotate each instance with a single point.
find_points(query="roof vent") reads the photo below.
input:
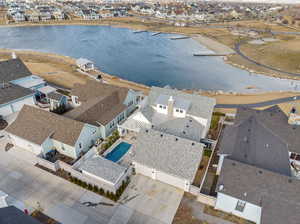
(183, 132)
(147, 131)
(260, 172)
(193, 143)
(187, 126)
(245, 194)
(152, 126)
(290, 180)
(176, 139)
(161, 135)
(245, 139)
(267, 145)
(191, 120)
(233, 164)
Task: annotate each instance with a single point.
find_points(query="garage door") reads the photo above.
(166, 178)
(36, 149)
(143, 170)
(5, 110)
(17, 106)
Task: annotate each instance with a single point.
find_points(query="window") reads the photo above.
(177, 110)
(240, 206)
(181, 111)
(112, 124)
(164, 107)
(80, 146)
(160, 106)
(76, 100)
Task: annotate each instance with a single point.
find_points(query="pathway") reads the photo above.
(260, 104)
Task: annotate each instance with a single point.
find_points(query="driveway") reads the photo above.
(144, 201)
(151, 198)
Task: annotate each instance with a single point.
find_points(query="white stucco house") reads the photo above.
(166, 158)
(102, 105)
(173, 112)
(40, 131)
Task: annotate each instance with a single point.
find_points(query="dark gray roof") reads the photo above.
(252, 143)
(13, 69)
(276, 121)
(277, 194)
(10, 92)
(168, 153)
(103, 168)
(55, 96)
(12, 215)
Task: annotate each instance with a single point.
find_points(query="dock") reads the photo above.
(179, 38)
(140, 31)
(157, 33)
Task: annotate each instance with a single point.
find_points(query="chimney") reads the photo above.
(170, 106)
(13, 55)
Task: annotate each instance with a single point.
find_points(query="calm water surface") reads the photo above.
(143, 58)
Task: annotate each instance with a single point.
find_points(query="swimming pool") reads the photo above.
(118, 152)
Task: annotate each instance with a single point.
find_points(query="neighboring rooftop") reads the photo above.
(13, 69)
(10, 92)
(277, 194)
(92, 89)
(249, 141)
(276, 121)
(12, 215)
(170, 154)
(103, 168)
(36, 125)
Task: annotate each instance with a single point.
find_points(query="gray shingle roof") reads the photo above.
(163, 152)
(101, 103)
(13, 69)
(10, 92)
(276, 121)
(250, 142)
(277, 194)
(12, 215)
(103, 168)
(36, 125)
(201, 106)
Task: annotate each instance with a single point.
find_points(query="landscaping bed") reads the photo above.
(44, 219)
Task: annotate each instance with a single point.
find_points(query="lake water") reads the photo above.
(142, 58)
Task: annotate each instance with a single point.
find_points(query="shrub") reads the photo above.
(84, 184)
(96, 189)
(101, 191)
(90, 187)
(207, 152)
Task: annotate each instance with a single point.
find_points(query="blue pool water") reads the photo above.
(118, 152)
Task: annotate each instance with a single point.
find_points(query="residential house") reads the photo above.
(18, 16)
(173, 112)
(166, 158)
(89, 14)
(102, 105)
(13, 98)
(259, 167)
(57, 100)
(85, 64)
(17, 86)
(40, 132)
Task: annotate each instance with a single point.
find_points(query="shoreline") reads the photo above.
(46, 64)
(208, 42)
